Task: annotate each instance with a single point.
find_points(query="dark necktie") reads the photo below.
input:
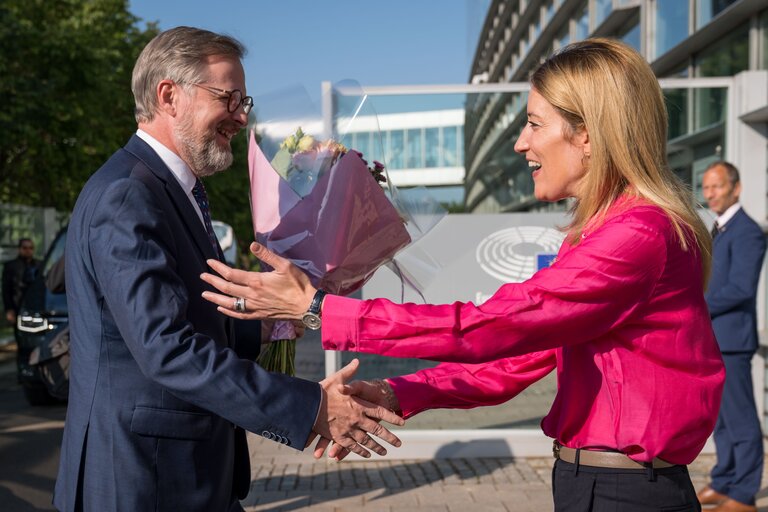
(715, 230)
(198, 191)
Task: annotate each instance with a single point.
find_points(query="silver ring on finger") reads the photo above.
(240, 305)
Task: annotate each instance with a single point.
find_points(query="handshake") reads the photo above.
(350, 415)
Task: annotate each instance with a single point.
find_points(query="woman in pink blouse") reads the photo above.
(620, 314)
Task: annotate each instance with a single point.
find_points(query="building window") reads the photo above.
(681, 71)
(459, 147)
(582, 23)
(671, 24)
(450, 146)
(677, 110)
(708, 9)
(549, 10)
(602, 9)
(728, 56)
(414, 156)
(362, 143)
(563, 36)
(630, 32)
(432, 147)
(395, 150)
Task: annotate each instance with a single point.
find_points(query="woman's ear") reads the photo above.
(581, 139)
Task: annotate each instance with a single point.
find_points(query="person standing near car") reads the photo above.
(17, 273)
(738, 249)
(162, 386)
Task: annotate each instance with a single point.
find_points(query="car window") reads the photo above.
(55, 252)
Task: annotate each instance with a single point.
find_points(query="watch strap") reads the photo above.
(317, 302)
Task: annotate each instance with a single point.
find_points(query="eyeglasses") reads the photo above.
(235, 99)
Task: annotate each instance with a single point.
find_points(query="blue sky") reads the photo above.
(304, 42)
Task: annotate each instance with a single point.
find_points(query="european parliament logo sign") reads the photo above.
(467, 257)
(513, 255)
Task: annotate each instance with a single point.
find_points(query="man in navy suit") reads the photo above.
(738, 249)
(160, 389)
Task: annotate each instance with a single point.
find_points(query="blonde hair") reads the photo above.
(178, 54)
(607, 88)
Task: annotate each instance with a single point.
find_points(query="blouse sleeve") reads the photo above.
(593, 288)
(464, 386)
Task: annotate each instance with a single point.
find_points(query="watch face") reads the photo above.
(311, 321)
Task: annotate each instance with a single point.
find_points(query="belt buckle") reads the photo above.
(556, 449)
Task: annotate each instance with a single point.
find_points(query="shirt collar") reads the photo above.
(178, 167)
(728, 214)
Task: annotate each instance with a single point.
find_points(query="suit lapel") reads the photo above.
(178, 197)
(730, 228)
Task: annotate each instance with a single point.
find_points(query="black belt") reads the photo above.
(603, 459)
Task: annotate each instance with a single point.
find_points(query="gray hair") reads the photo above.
(177, 54)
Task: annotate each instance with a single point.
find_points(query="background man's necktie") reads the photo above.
(198, 191)
(715, 230)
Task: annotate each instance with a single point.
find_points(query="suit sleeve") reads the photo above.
(746, 258)
(247, 338)
(134, 258)
(464, 386)
(585, 294)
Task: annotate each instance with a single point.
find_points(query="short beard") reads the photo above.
(200, 151)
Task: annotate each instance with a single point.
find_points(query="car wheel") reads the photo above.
(38, 395)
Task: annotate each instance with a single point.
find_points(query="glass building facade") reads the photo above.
(680, 39)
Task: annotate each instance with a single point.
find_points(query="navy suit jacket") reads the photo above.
(737, 257)
(158, 392)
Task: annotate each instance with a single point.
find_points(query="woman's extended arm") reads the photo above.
(589, 291)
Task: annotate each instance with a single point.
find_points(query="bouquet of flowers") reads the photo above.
(322, 206)
(333, 220)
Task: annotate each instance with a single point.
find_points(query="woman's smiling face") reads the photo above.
(557, 162)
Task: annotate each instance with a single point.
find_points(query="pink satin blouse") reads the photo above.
(621, 315)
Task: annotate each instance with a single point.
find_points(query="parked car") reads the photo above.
(227, 241)
(43, 314)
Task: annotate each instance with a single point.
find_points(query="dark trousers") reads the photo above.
(738, 436)
(591, 489)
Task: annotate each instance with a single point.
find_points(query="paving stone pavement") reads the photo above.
(286, 480)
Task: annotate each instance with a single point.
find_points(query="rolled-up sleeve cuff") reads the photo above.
(340, 323)
(413, 393)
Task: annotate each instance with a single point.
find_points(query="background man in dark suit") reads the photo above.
(738, 249)
(16, 274)
(159, 392)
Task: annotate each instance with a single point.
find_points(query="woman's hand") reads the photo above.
(284, 293)
(351, 421)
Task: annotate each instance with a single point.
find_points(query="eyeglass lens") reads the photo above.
(236, 99)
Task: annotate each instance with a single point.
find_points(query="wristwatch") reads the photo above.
(311, 318)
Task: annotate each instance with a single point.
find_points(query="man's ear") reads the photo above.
(167, 96)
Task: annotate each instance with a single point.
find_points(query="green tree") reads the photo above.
(66, 68)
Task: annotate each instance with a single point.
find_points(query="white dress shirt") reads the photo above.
(178, 167)
(727, 215)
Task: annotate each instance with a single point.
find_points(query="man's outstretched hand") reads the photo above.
(349, 421)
